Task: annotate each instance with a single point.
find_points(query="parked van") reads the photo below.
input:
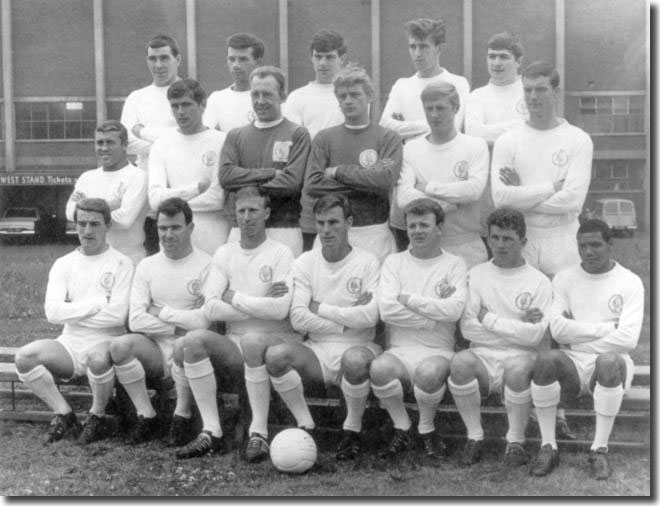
(619, 214)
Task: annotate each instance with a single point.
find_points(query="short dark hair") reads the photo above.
(245, 40)
(596, 225)
(441, 89)
(420, 207)
(253, 191)
(424, 27)
(326, 41)
(332, 200)
(541, 69)
(173, 206)
(186, 87)
(269, 70)
(353, 75)
(112, 125)
(162, 41)
(506, 41)
(508, 219)
(94, 205)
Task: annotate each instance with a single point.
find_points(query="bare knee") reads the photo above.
(193, 347)
(254, 348)
(545, 367)
(355, 364)
(610, 370)
(99, 360)
(430, 374)
(382, 370)
(463, 367)
(278, 359)
(27, 358)
(121, 349)
(518, 372)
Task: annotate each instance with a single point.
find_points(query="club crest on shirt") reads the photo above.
(210, 158)
(521, 107)
(266, 273)
(615, 303)
(107, 281)
(524, 301)
(560, 158)
(194, 286)
(354, 285)
(251, 116)
(368, 158)
(440, 286)
(281, 151)
(461, 169)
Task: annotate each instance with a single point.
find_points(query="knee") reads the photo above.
(27, 358)
(355, 362)
(518, 372)
(278, 359)
(381, 371)
(610, 370)
(253, 347)
(462, 367)
(545, 367)
(192, 345)
(99, 360)
(121, 349)
(431, 374)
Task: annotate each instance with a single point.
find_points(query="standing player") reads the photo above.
(147, 115)
(184, 163)
(596, 317)
(499, 106)
(166, 301)
(421, 296)
(88, 293)
(505, 320)
(334, 303)
(250, 289)
(452, 169)
(403, 111)
(232, 107)
(272, 153)
(360, 159)
(122, 185)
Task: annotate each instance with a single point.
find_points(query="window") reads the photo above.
(55, 120)
(607, 114)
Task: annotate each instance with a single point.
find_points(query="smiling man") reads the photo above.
(232, 107)
(184, 163)
(88, 293)
(122, 185)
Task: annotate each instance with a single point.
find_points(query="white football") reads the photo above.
(293, 451)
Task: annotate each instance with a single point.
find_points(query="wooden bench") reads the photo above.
(636, 403)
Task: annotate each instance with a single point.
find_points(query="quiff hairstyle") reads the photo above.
(93, 205)
(186, 87)
(326, 41)
(164, 41)
(508, 219)
(541, 69)
(439, 90)
(353, 75)
(420, 207)
(424, 27)
(332, 200)
(245, 40)
(173, 206)
(506, 41)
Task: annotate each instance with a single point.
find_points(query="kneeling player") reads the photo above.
(166, 301)
(249, 288)
(87, 292)
(505, 319)
(421, 296)
(596, 317)
(334, 302)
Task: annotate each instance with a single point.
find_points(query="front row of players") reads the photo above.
(334, 295)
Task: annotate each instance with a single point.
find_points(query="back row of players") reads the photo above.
(540, 166)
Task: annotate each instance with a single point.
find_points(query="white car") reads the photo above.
(17, 222)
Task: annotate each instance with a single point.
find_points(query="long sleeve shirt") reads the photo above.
(315, 107)
(597, 313)
(252, 155)
(506, 294)
(89, 294)
(426, 319)
(176, 287)
(454, 174)
(541, 158)
(336, 286)
(227, 109)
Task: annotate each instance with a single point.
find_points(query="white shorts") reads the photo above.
(473, 252)
(166, 346)
(412, 356)
(291, 237)
(78, 349)
(290, 337)
(585, 364)
(377, 239)
(493, 360)
(551, 250)
(329, 356)
(211, 230)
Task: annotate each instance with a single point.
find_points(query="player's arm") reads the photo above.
(232, 175)
(210, 117)
(463, 89)
(115, 312)
(407, 185)
(215, 309)
(471, 327)
(132, 202)
(316, 182)
(358, 316)
(159, 189)
(129, 118)
(293, 111)
(289, 179)
(191, 318)
(139, 317)
(77, 195)
(576, 183)
(213, 198)
(393, 119)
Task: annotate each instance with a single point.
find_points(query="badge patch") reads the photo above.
(440, 286)
(354, 285)
(251, 116)
(281, 151)
(194, 286)
(266, 273)
(524, 301)
(368, 158)
(559, 158)
(615, 303)
(461, 169)
(107, 281)
(521, 107)
(210, 158)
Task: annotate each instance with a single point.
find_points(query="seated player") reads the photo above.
(505, 320)
(166, 301)
(87, 292)
(596, 317)
(421, 296)
(249, 287)
(334, 303)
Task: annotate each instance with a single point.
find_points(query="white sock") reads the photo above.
(518, 406)
(132, 377)
(468, 402)
(391, 398)
(545, 399)
(356, 402)
(257, 384)
(101, 386)
(204, 388)
(184, 395)
(290, 388)
(42, 383)
(607, 403)
(427, 402)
